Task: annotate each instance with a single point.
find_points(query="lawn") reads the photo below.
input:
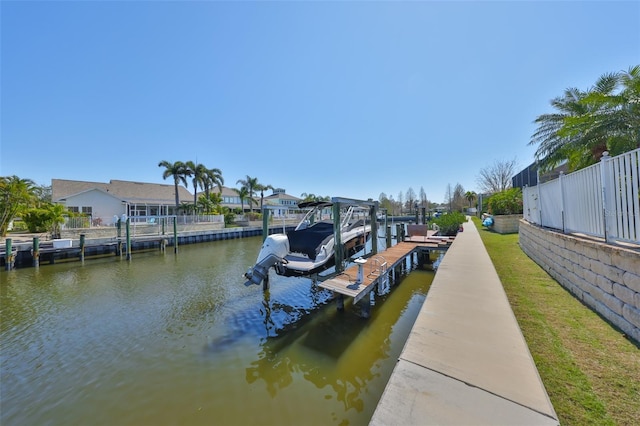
(590, 370)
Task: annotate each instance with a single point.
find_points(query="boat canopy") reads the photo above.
(309, 240)
(314, 204)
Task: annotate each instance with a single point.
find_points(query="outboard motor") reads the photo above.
(273, 251)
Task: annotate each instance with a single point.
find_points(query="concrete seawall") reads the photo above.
(465, 361)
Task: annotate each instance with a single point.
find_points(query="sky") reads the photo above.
(334, 98)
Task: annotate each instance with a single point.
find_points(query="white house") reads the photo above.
(106, 201)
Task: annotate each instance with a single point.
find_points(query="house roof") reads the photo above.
(132, 192)
(282, 196)
(226, 191)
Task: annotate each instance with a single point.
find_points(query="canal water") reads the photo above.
(169, 339)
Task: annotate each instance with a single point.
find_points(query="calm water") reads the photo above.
(168, 339)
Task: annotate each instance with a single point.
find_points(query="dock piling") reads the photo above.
(128, 227)
(36, 251)
(82, 245)
(175, 234)
(9, 259)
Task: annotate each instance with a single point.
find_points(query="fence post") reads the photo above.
(539, 198)
(604, 174)
(562, 201)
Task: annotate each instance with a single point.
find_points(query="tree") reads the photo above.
(458, 201)
(448, 197)
(423, 198)
(260, 187)
(587, 123)
(198, 173)
(496, 177)
(400, 200)
(243, 194)
(179, 171)
(15, 195)
(212, 177)
(411, 195)
(470, 196)
(250, 183)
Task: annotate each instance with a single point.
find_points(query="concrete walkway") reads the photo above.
(465, 361)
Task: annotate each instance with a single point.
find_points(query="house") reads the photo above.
(279, 202)
(229, 197)
(529, 176)
(105, 202)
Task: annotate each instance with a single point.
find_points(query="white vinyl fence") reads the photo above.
(601, 200)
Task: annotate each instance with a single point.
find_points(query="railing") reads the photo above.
(601, 200)
(83, 222)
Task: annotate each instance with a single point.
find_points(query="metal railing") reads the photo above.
(601, 200)
(90, 221)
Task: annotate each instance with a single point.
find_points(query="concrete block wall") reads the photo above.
(604, 277)
(506, 224)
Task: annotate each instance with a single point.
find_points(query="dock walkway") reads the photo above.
(379, 266)
(465, 361)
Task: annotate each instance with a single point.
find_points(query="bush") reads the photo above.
(449, 224)
(506, 202)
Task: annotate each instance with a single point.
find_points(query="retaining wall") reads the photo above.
(506, 224)
(604, 277)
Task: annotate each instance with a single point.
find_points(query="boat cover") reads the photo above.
(309, 240)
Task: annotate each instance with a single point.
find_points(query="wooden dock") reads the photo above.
(380, 269)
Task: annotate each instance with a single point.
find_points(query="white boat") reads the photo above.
(310, 247)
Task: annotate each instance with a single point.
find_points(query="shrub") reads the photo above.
(506, 202)
(450, 223)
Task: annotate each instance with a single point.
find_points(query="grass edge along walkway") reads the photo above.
(590, 371)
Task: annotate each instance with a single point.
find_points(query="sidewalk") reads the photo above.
(465, 361)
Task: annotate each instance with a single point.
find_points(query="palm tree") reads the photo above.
(260, 187)
(618, 116)
(589, 123)
(251, 184)
(198, 175)
(179, 171)
(470, 196)
(213, 177)
(15, 195)
(243, 194)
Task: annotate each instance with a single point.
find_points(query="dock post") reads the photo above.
(8, 265)
(265, 223)
(36, 251)
(337, 237)
(340, 302)
(388, 236)
(365, 307)
(119, 238)
(82, 241)
(175, 234)
(424, 215)
(399, 236)
(374, 229)
(128, 257)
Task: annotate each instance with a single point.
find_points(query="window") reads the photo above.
(73, 209)
(87, 210)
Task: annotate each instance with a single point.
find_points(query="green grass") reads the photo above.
(590, 370)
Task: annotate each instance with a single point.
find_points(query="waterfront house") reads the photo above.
(105, 202)
(280, 203)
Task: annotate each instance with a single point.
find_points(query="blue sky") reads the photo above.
(346, 99)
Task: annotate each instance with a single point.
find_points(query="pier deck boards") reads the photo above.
(345, 283)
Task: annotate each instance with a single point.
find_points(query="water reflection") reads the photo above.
(334, 350)
(168, 339)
